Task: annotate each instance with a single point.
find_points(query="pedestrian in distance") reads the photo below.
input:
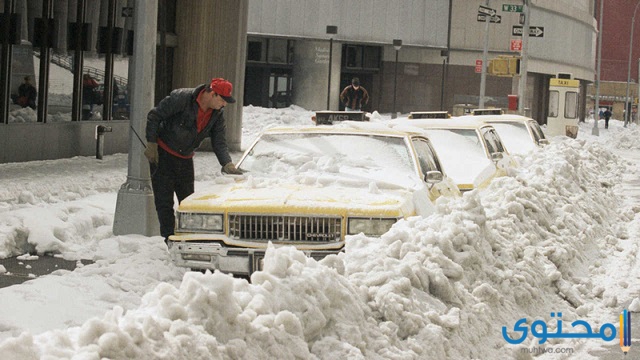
(607, 116)
(175, 129)
(90, 96)
(27, 94)
(354, 96)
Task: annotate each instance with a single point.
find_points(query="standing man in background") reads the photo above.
(607, 116)
(89, 96)
(175, 129)
(354, 96)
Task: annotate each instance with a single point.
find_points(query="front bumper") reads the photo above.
(215, 256)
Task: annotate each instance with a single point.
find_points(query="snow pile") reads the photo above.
(537, 241)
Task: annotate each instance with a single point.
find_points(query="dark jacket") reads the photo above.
(174, 121)
(353, 98)
(30, 93)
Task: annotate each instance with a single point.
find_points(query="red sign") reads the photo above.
(516, 45)
(478, 66)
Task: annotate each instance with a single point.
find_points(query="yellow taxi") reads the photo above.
(309, 187)
(520, 134)
(471, 151)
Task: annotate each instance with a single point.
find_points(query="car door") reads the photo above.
(428, 161)
(495, 146)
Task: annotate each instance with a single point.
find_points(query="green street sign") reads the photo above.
(512, 8)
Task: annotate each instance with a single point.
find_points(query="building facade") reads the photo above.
(278, 53)
(620, 58)
(293, 58)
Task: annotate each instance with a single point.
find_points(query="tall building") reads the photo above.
(620, 57)
(411, 55)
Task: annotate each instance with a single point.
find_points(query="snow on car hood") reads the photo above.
(253, 194)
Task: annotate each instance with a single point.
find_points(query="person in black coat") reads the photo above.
(89, 96)
(175, 129)
(607, 116)
(27, 94)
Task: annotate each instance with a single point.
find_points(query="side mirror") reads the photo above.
(497, 156)
(433, 177)
(543, 142)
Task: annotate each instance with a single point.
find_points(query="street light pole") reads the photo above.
(596, 111)
(397, 44)
(332, 30)
(524, 59)
(485, 51)
(627, 108)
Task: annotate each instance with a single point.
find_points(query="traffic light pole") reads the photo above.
(522, 85)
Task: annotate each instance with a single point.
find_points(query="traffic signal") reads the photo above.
(504, 66)
(498, 67)
(514, 65)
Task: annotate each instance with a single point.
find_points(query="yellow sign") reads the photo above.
(564, 82)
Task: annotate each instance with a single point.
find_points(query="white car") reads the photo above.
(471, 151)
(309, 187)
(520, 134)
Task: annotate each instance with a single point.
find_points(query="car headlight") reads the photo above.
(370, 226)
(204, 222)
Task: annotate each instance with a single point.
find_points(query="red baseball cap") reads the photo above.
(223, 88)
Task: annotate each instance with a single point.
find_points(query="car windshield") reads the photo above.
(461, 153)
(515, 137)
(330, 156)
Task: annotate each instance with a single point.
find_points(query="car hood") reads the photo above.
(255, 195)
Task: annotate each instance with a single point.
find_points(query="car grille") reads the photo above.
(285, 228)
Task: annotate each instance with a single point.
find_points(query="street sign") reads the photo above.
(496, 19)
(478, 66)
(486, 10)
(516, 45)
(535, 31)
(512, 8)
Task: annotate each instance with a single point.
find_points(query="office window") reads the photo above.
(278, 51)
(256, 50)
(353, 56)
(361, 57)
(371, 59)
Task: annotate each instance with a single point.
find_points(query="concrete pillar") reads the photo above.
(21, 8)
(92, 16)
(212, 38)
(311, 71)
(60, 11)
(135, 209)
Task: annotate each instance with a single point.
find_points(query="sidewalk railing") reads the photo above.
(66, 62)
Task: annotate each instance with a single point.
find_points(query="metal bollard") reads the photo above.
(100, 130)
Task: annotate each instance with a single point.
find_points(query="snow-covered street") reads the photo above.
(558, 235)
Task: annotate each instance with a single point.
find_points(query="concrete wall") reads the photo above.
(212, 43)
(59, 140)
(311, 72)
(418, 22)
